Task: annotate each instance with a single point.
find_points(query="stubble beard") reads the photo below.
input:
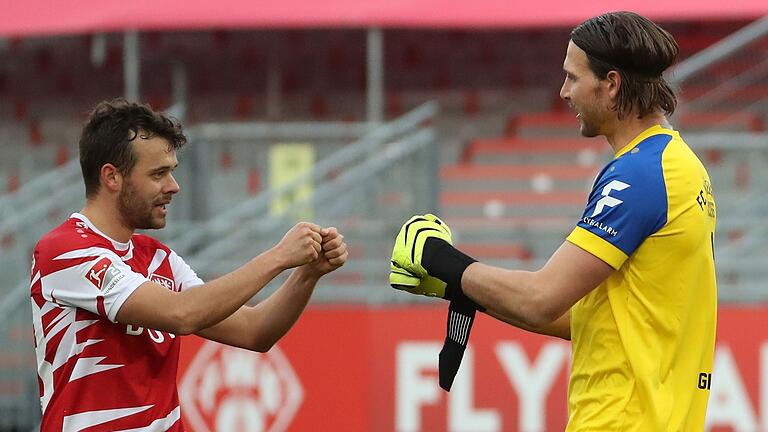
(135, 212)
(589, 123)
(587, 129)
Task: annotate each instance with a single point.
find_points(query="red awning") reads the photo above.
(53, 17)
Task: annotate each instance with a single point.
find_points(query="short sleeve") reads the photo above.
(99, 285)
(183, 274)
(627, 204)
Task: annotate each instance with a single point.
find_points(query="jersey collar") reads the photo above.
(123, 249)
(651, 131)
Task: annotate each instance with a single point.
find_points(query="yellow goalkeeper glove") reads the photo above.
(425, 262)
(406, 270)
(427, 286)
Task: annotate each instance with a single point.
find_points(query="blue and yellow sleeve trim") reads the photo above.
(598, 247)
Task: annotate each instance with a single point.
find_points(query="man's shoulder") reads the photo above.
(71, 235)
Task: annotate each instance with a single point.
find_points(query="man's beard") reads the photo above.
(590, 118)
(587, 127)
(135, 212)
(590, 121)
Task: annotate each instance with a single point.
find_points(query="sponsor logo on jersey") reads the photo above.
(607, 200)
(601, 226)
(103, 275)
(96, 273)
(163, 281)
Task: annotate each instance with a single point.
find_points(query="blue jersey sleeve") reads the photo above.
(629, 200)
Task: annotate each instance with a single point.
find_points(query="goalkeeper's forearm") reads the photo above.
(560, 328)
(514, 295)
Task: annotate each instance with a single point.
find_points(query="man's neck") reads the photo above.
(628, 129)
(107, 220)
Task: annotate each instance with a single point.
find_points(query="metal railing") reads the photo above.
(214, 228)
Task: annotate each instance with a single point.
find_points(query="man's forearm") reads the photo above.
(214, 301)
(515, 295)
(272, 318)
(560, 328)
(509, 296)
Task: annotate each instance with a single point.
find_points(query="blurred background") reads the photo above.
(358, 116)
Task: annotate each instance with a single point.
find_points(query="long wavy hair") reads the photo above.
(640, 51)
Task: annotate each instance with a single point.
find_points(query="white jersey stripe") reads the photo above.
(83, 420)
(159, 425)
(156, 261)
(90, 365)
(94, 252)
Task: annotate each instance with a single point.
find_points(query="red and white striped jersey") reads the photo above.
(96, 374)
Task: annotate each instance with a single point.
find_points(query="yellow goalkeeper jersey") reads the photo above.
(644, 340)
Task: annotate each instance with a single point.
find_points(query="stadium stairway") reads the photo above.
(511, 201)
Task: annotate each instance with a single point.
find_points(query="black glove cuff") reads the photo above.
(444, 261)
(461, 316)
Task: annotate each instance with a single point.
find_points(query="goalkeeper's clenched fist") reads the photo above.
(409, 244)
(424, 260)
(428, 286)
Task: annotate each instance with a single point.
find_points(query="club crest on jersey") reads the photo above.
(103, 275)
(163, 281)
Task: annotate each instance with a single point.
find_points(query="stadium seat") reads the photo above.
(413, 56)
(64, 85)
(515, 198)
(62, 154)
(464, 172)
(319, 106)
(8, 241)
(243, 107)
(749, 93)
(35, 133)
(736, 121)
(519, 149)
(471, 103)
(158, 101)
(21, 109)
(254, 181)
(12, 182)
(225, 159)
(550, 125)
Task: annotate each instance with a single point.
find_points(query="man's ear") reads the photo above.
(111, 179)
(613, 83)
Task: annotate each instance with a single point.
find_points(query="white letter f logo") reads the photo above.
(608, 200)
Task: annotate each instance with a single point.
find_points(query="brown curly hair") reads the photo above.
(109, 131)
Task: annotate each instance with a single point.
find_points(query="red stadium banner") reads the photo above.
(50, 17)
(375, 369)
